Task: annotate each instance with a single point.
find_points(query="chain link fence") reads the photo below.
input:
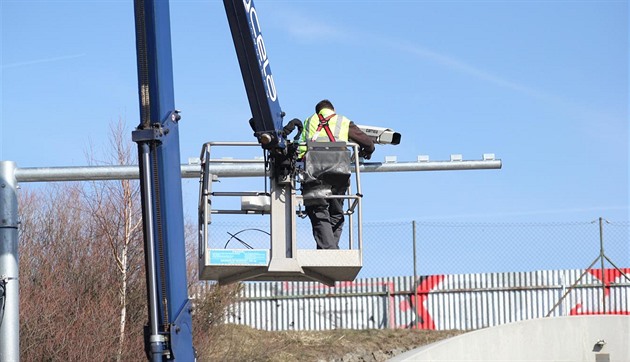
(429, 248)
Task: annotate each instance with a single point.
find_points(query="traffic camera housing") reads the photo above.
(381, 135)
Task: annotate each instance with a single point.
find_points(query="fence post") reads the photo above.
(601, 258)
(415, 274)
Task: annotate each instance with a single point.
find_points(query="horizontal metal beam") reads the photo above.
(431, 166)
(227, 169)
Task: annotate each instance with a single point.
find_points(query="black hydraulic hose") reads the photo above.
(291, 126)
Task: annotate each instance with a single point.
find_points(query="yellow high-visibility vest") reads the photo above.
(339, 126)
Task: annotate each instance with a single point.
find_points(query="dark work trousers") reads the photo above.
(327, 218)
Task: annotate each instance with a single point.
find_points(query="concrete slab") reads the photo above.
(595, 338)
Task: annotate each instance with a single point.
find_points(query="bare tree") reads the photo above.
(115, 206)
(65, 279)
(81, 264)
(82, 284)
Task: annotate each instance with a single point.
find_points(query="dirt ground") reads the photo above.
(240, 343)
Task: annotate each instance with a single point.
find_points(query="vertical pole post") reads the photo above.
(415, 274)
(9, 292)
(601, 258)
(413, 227)
(160, 166)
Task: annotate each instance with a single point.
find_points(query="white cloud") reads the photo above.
(40, 61)
(463, 67)
(308, 28)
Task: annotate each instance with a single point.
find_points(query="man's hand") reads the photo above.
(365, 153)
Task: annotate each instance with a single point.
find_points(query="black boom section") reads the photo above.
(254, 62)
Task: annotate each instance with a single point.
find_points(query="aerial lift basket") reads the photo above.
(282, 261)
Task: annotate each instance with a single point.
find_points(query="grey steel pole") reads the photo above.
(227, 169)
(415, 274)
(413, 227)
(601, 258)
(9, 291)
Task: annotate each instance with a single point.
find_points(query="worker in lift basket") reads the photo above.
(326, 215)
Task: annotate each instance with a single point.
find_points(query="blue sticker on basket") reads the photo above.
(238, 257)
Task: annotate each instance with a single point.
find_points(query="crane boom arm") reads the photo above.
(256, 71)
(168, 335)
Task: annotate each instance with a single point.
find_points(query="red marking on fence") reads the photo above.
(423, 317)
(609, 276)
(577, 310)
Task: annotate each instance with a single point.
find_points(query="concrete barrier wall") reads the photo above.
(601, 338)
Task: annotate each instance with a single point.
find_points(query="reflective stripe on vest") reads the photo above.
(323, 124)
(339, 125)
(321, 136)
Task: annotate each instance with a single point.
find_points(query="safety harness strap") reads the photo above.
(323, 123)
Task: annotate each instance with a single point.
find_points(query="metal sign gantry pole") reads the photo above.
(9, 286)
(11, 175)
(254, 168)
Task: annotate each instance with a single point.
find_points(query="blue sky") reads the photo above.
(541, 84)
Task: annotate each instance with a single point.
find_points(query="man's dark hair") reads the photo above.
(324, 104)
